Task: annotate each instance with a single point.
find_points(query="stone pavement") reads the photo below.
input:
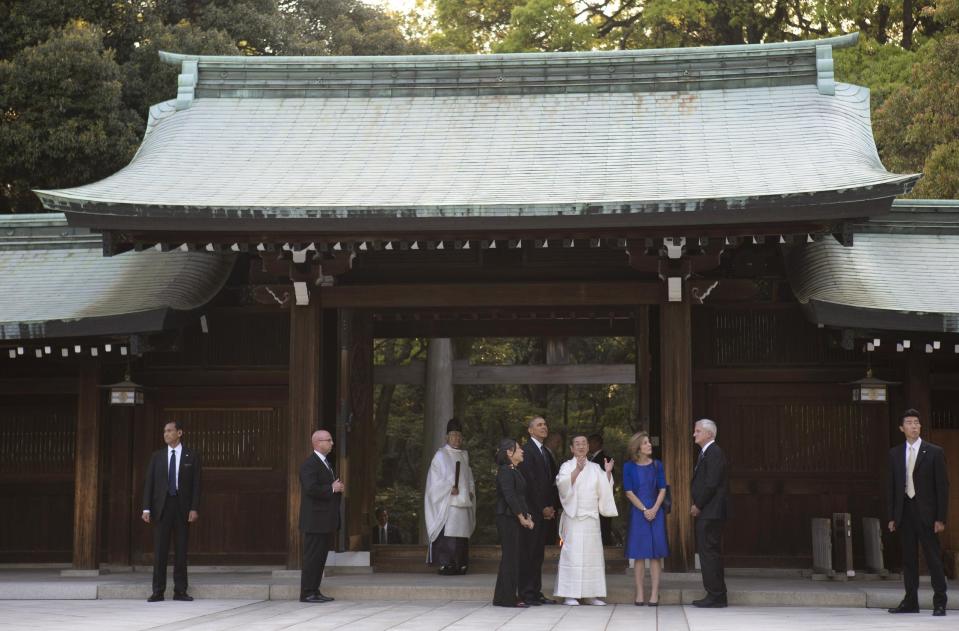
(426, 615)
(780, 588)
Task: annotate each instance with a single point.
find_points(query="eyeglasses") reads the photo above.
(324, 440)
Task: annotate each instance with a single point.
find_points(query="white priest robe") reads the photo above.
(455, 513)
(582, 565)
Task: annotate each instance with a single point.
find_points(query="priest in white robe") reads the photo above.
(449, 504)
(586, 492)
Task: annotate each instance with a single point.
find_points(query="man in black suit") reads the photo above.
(598, 456)
(918, 503)
(171, 499)
(320, 495)
(384, 531)
(539, 470)
(709, 509)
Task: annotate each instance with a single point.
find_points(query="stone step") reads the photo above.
(676, 588)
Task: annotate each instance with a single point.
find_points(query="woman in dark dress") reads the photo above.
(511, 513)
(644, 482)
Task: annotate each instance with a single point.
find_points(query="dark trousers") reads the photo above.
(709, 545)
(316, 547)
(606, 530)
(451, 552)
(507, 581)
(913, 534)
(172, 521)
(532, 543)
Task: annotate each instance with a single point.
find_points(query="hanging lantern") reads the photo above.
(870, 389)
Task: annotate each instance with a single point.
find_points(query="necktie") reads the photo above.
(910, 466)
(171, 474)
(699, 460)
(383, 535)
(545, 452)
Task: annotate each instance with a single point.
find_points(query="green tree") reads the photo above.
(62, 119)
(917, 126)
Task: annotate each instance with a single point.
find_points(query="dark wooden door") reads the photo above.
(242, 439)
(796, 451)
(37, 444)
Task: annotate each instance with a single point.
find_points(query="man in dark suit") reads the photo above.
(171, 500)
(709, 490)
(539, 469)
(320, 495)
(918, 503)
(385, 532)
(598, 456)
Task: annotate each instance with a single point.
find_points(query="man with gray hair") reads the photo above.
(709, 509)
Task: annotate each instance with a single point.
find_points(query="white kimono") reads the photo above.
(582, 565)
(455, 513)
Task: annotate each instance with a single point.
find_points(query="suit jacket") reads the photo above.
(392, 534)
(540, 485)
(710, 482)
(928, 476)
(156, 486)
(319, 505)
(600, 459)
(511, 492)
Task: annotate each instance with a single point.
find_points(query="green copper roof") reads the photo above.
(648, 135)
(56, 283)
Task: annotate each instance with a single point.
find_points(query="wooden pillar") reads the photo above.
(304, 410)
(363, 449)
(121, 512)
(917, 389)
(438, 405)
(677, 424)
(86, 511)
(643, 368)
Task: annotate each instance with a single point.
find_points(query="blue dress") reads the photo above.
(645, 539)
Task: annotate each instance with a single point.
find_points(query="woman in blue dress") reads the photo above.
(644, 481)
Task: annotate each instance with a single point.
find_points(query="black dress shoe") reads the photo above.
(312, 598)
(904, 607)
(155, 597)
(533, 603)
(325, 599)
(939, 610)
(182, 596)
(547, 601)
(711, 603)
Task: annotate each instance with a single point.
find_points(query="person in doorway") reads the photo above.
(644, 481)
(539, 470)
(709, 491)
(321, 492)
(511, 515)
(586, 492)
(384, 532)
(918, 504)
(449, 504)
(171, 501)
(596, 455)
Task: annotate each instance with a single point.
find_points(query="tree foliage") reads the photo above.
(77, 77)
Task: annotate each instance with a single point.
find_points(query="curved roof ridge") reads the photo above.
(839, 41)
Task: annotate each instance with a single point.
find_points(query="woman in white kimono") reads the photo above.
(450, 504)
(586, 492)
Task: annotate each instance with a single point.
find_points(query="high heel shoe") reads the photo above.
(653, 604)
(639, 603)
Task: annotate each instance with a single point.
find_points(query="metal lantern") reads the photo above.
(126, 393)
(869, 389)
